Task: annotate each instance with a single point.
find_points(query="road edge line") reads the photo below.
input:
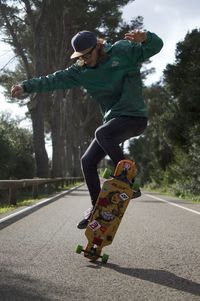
(173, 204)
(11, 218)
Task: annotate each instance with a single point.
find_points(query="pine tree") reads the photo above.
(40, 33)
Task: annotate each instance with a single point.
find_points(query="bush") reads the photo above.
(16, 150)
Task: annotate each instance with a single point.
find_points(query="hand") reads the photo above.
(136, 36)
(17, 91)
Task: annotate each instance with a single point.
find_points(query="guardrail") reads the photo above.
(37, 185)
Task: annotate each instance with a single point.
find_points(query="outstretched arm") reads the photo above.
(60, 80)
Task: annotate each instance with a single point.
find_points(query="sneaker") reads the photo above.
(84, 222)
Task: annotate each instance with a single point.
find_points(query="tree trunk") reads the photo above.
(69, 132)
(36, 110)
(57, 132)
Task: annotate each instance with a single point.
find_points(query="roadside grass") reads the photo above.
(26, 198)
(165, 191)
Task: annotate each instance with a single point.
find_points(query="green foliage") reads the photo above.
(169, 151)
(152, 151)
(183, 82)
(16, 150)
(185, 169)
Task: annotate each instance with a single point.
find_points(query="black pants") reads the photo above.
(106, 142)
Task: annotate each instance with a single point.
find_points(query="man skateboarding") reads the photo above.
(111, 74)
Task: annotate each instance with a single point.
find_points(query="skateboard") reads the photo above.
(108, 212)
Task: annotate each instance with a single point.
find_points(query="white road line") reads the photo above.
(20, 212)
(173, 204)
(46, 201)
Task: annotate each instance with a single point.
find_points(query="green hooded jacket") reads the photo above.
(115, 83)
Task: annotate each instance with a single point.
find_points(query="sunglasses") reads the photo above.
(87, 55)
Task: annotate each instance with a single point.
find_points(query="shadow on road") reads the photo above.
(77, 194)
(161, 277)
(21, 288)
(15, 286)
(82, 189)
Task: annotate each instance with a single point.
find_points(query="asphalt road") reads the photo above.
(155, 254)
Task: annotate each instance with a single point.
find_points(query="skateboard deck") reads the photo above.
(108, 212)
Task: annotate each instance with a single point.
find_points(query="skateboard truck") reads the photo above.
(92, 253)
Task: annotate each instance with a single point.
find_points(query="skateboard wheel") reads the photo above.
(104, 258)
(107, 173)
(79, 249)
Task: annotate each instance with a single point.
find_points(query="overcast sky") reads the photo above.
(170, 19)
